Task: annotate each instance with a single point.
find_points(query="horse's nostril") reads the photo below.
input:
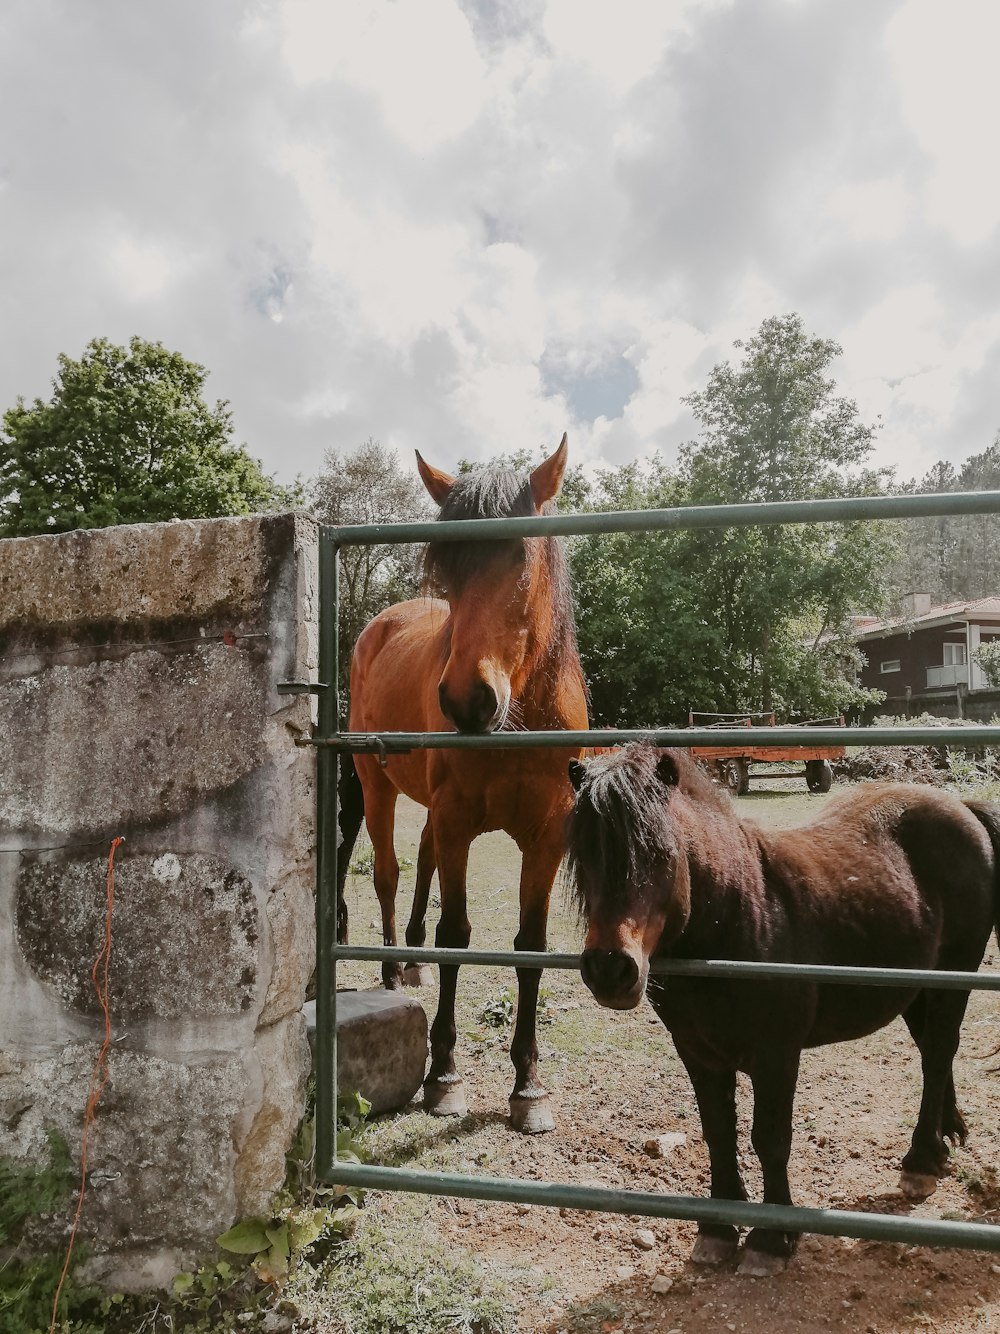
(486, 702)
(609, 971)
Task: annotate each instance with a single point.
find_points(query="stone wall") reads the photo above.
(138, 668)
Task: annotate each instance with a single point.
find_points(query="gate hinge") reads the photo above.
(301, 687)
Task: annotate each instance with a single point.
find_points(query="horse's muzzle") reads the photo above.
(613, 976)
(480, 712)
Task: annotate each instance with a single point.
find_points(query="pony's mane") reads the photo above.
(499, 493)
(621, 819)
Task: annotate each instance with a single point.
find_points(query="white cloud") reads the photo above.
(944, 61)
(901, 335)
(417, 58)
(872, 210)
(622, 42)
(666, 358)
(442, 222)
(142, 268)
(391, 275)
(908, 363)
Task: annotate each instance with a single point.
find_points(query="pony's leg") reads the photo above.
(443, 1091)
(953, 1126)
(419, 974)
(530, 1109)
(715, 1091)
(927, 1159)
(768, 1252)
(380, 813)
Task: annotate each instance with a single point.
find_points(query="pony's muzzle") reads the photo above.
(613, 976)
(478, 711)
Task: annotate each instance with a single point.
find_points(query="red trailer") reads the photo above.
(731, 763)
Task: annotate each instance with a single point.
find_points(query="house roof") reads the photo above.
(985, 610)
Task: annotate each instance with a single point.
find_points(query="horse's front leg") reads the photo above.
(715, 1091)
(419, 974)
(530, 1108)
(444, 1094)
(768, 1251)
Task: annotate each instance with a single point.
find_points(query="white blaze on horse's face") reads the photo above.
(494, 619)
(616, 954)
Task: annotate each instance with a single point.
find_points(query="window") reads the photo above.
(955, 655)
(892, 665)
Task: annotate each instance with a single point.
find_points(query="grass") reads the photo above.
(394, 1276)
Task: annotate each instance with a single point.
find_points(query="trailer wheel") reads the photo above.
(736, 775)
(819, 775)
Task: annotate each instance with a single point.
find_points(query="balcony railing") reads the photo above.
(952, 675)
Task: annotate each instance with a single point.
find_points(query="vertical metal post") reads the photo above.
(327, 834)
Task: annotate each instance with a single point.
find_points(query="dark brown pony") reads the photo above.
(495, 649)
(887, 876)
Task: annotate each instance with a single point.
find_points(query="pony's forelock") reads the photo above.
(619, 822)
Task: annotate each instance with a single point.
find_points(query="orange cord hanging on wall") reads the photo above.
(99, 1076)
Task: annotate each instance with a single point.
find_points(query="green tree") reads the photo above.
(953, 556)
(988, 657)
(125, 438)
(774, 428)
(367, 486)
(648, 651)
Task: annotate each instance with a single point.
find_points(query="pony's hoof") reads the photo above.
(761, 1264)
(445, 1099)
(710, 1250)
(532, 1116)
(418, 975)
(917, 1185)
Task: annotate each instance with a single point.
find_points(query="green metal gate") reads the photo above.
(331, 742)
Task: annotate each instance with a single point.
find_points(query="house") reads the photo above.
(928, 652)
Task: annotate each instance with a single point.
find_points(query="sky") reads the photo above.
(468, 226)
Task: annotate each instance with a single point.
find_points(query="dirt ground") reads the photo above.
(617, 1084)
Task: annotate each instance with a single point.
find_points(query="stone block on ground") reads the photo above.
(381, 1045)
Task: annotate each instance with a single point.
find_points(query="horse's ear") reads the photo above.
(438, 483)
(576, 773)
(666, 770)
(547, 477)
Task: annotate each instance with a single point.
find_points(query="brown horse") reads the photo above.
(888, 876)
(496, 649)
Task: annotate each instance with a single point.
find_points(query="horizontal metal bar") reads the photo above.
(781, 1217)
(300, 687)
(723, 738)
(850, 509)
(739, 968)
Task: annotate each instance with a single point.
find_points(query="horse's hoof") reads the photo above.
(532, 1116)
(709, 1250)
(917, 1185)
(761, 1264)
(445, 1099)
(418, 975)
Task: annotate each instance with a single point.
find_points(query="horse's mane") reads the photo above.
(621, 818)
(499, 493)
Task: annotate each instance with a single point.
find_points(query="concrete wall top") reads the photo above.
(140, 575)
